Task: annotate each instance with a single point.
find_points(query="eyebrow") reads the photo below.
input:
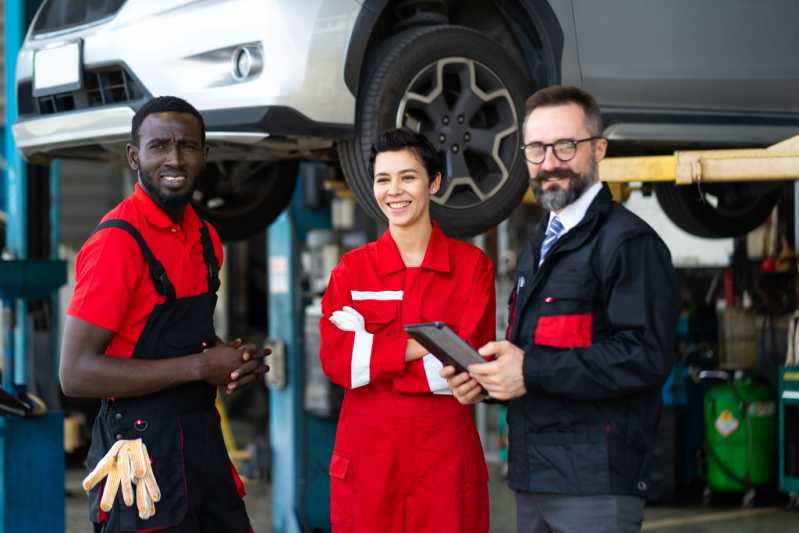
(403, 171)
(170, 139)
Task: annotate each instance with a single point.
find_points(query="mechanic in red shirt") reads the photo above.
(407, 456)
(139, 334)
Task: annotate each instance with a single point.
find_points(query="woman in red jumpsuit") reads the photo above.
(407, 456)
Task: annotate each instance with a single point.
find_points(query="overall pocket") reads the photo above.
(163, 437)
(341, 493)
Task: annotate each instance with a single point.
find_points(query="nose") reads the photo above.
(174, 155)
(394, 187)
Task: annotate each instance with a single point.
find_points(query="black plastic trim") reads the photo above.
(539, 17)
(611, 117)
(356, 50)
(275, 120)
(548, 28)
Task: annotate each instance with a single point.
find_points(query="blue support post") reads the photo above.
(301, 443)
(16, 187)
(284, 404)
(31, 448)
(55, 243)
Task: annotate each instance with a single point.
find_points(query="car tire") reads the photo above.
(240, 199)
(466, 94)
(738, 207)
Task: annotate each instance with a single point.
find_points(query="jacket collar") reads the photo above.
(157, 217)
(436, 256)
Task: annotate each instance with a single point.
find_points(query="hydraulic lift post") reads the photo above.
(31, 447)
(301, 443)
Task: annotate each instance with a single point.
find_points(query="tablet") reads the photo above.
(446, 345)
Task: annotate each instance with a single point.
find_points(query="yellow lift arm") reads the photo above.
(778, 162)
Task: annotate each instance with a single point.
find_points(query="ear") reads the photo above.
(600, 149)
(435, 185)
(132, 153)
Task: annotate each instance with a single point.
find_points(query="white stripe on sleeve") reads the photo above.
(376, 295)
(361, 359)
(432, 366)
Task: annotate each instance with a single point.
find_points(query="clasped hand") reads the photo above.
(126, 464)
(234, 364)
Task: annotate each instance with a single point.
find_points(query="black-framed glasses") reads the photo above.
(564, 149)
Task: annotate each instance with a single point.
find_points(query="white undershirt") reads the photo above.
(572, 214)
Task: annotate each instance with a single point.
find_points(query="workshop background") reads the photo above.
(701, 104)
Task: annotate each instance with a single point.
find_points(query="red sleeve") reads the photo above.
(107, 270)
(349, 359)
(477, 326)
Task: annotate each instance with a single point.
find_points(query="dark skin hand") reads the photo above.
(86, 372)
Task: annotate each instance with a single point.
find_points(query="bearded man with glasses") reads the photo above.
(593, 315)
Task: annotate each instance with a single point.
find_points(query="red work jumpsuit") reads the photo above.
(407, 456)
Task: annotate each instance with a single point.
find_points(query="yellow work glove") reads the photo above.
(126, 463)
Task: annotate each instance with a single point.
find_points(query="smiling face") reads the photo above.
(169, 155)
(403, 189)
(556, 183)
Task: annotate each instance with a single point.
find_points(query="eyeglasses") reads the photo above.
(564, 149)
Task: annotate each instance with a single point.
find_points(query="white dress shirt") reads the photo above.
(572, 214)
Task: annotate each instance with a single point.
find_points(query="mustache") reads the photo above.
(560, 173)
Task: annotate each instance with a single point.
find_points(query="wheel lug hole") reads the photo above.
(460, 119)
(445, 119)
(467, 137)
(455, 148)
(442, 138)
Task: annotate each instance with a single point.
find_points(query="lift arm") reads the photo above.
(778, 162)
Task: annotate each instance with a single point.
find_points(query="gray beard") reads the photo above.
(556, 198)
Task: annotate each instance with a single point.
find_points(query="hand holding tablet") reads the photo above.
(446, 345)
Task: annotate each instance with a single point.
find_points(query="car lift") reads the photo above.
(31, 447)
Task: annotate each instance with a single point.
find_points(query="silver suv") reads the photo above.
(283, 80)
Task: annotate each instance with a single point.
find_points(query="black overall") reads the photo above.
(180, 426)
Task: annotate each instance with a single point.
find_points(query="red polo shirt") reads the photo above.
(113, 288)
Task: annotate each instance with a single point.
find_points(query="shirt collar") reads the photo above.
(158, 218)
(572, 214)
(436, 256)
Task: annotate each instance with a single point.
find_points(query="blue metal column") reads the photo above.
(301, 443)
(16, 189)
(55, 243)
(284, 404)
(31, 448)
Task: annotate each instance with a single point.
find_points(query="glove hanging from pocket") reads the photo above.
(127, 463)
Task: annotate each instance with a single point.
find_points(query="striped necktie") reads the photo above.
(550, 237)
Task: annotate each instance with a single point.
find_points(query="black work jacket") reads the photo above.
(596, 322)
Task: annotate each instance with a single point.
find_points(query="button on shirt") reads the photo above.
(113, 288)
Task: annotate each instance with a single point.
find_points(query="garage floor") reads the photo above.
(503, 513)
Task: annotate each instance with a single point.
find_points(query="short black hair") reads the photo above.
(404, 139)
(566, 94)
(164, 104)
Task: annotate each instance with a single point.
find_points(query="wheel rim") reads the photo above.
(468, 114)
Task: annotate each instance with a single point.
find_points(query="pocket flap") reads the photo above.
(339, 465)
(564, 331)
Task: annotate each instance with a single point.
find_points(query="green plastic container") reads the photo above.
(740, 426)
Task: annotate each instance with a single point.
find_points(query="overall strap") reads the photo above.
(210, 258)
(157, 272)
